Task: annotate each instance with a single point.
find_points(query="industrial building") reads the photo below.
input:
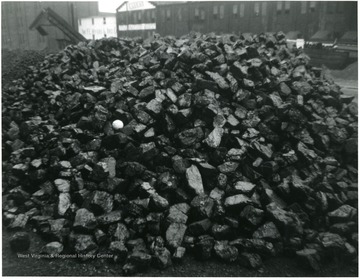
(100, 26)
(179, 18)
(145, 18)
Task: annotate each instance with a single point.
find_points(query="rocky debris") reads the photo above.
(20, 241)
(232, 146)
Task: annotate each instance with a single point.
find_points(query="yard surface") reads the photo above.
(278, 267)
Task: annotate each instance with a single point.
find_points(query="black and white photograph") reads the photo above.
(179, 138)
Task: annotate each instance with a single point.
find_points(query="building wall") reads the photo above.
(136, 19)
(97, 27)
(18, 16)
(256, 17)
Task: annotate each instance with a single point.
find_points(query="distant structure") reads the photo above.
(16, 18)
(136, 18)
(142, 18)
(99, 26)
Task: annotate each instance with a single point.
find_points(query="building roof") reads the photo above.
(100, 14)
(159, 3)
(155, 3)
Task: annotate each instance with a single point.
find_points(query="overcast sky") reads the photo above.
(109, 6)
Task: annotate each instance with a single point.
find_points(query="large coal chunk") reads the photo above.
(102, 202)
(258, 246)
(190, 137)
(225, 251)
(175, 234)
(83, 244)
(53, 248)
(203, 247)
(194, 179)
(84, 220)
(201, 207)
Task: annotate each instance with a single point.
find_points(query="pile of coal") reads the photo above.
(233, 147)
(15, 63)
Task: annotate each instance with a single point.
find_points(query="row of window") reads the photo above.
(93, 21)
(142, 16)
(238, 10)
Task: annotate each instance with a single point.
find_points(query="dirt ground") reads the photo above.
(278, 267)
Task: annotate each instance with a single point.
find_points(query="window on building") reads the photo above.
(242, 10)
(134, 17)
(215, 12)
(303, 7)
(202, 14)
(256, 9)
(287, 7)
(197, 13)
(153, 15)
(104, 20)
(162, 15)
(264, 8)
(139, 16)
(279, 7)
(312, 6)
(168, 14)
(179, 14)
(92, 21)
(235, 10)
(222, 11)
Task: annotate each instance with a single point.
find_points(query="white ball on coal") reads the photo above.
(117, 124)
